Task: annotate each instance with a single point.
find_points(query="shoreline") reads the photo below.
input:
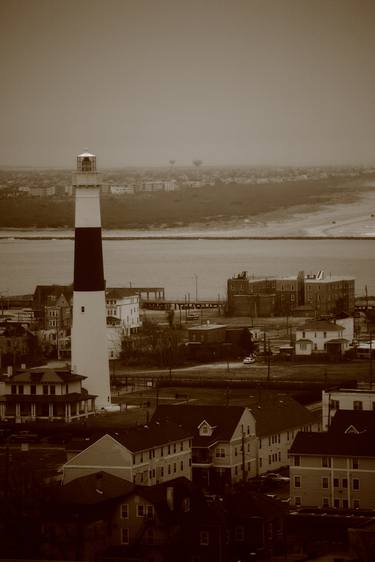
(349, 216)
(193, 237)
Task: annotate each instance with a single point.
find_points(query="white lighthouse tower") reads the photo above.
(89, 337)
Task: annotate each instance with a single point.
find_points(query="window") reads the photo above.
(174, 467)
(355, 484)
(326, 462)
(297, 460)
(335, 404)
(220, 452)
(345, 504)
(162, 471)
(325, 482)
(20, 389)
(186, 505)
(335, 482)
(355, 463)
(297, 501)
(124, 511)
(52, 389)
(336, 503)
(297, 481)
(235, 451)
(14, 389)
(357, 405)
(45, 389)
(204, 538)
(239, 533)
(344, 483)
(82, 309)
(124, 535)
(32, 389)
(356, 504)
(140, 510)
(149, 511)
(325, 502)
(181, 465)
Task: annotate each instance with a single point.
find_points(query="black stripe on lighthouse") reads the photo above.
(88, 259)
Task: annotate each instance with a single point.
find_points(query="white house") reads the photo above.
(43, 393)
(320, 336)
(345, 399)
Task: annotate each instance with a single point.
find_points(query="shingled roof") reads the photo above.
(223, 419)
(320, 326)
(280, 412)
(39, 375)
(140, 438)
(361, 421)
(331, 444)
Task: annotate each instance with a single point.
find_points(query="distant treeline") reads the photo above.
(206, 204)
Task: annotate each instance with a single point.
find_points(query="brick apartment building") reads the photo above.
(276, 296)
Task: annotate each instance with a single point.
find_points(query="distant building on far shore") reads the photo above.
(281, 296)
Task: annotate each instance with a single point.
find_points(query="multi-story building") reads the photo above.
(52, 306)
(224, 441)
(45, 394)
(117, 520)
(123, 304)
(278, 419)
(345, 399)
(275, 296)
(335, 468)
(147, 455)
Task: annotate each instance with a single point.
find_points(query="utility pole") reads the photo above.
(196, 287)
(243, 455)
(268, 361)
(370, 360)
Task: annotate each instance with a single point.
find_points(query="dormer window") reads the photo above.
(205, 429)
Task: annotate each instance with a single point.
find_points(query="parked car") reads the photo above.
(248, 360)
(23, 437)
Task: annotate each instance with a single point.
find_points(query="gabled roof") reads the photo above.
(223, 420)
(140, 438)
(320, 326)
(361, 420)
(93, 489)
(280, 412)
(331, 444)
(152, 435)
(42, 292)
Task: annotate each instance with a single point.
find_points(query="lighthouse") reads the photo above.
(89, 334)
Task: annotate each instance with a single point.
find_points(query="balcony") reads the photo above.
(201, 460)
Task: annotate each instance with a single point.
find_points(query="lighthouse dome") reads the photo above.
(86, 162)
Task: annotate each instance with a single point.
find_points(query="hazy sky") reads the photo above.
(227, 81)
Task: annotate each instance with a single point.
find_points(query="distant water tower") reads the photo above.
(89, 333)
(197, 164)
